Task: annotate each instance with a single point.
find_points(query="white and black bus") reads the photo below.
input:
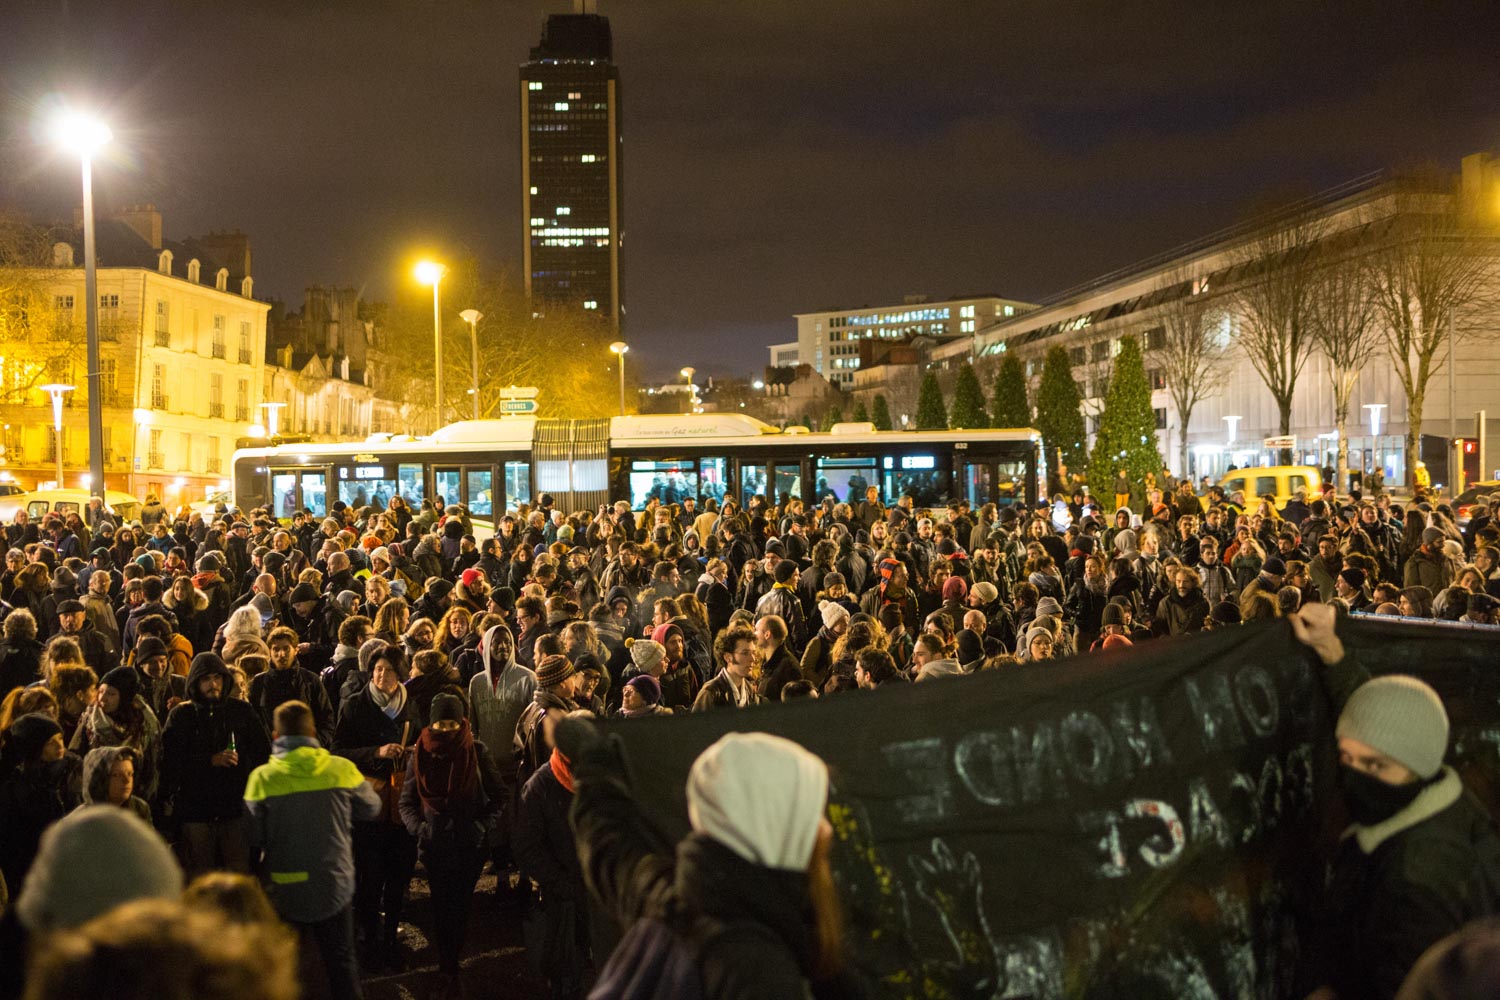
(494, 466)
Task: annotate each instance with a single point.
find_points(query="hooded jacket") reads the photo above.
(303, 804)
(498, 695)
(96, 770)
(193, 789)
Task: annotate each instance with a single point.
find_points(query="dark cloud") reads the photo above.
(780, 156)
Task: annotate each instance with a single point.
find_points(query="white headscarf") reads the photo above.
(761, 796)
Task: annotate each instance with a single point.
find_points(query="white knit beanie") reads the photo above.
(646, 654)
(761, 796)
(91, 861)
(1401, 717)
(833, 612)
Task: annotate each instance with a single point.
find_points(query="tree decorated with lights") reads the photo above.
(931, 414)
(1127, 428)
(861, 413)
(1009, 407)
(880, 414)
(1059, 413)
(968, 401)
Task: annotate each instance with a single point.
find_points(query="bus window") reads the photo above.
(713, 478)
(788, 481)
(667, 482)
(845, 479)
(283, 494)
(1010, 486)
(445, 483)
(315, 492)
(517, 484)
(977, 482)
(365, 486)
(412, 486)
(481, 486)
(919, 475)
(752, 482)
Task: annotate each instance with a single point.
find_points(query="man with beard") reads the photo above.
(759, 839)
(1422, 857)
(209, 746)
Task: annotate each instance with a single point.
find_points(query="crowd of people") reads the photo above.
(327, 703)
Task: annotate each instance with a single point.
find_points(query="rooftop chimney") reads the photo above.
(145, 220)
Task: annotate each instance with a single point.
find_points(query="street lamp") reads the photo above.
(430, 272)
(1234, 425)
(56, 390)
(84, 136)
(692, 391)
(620, 347)
(472, 317)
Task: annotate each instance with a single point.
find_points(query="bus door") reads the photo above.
(976, 480)
(787, 481)
(312, 491)
(298, 488)
(752, 481)
(447, 483)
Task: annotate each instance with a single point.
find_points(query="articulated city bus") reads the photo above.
(495, 466)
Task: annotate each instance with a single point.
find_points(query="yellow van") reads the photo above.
(1280, 481)
(39, 503)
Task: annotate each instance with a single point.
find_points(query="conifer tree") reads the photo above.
(1009, 407)
(968, 401)
(880, 414)
(833, 416)
(1127, 428)
(861, 413)
(1059, 412)
(931, 414)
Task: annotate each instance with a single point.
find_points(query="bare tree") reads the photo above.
(1344, 327)
(1427, 268)
(1193, 350)
(39, 339)
(1274, 305)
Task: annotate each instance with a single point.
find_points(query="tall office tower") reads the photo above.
(570, 167)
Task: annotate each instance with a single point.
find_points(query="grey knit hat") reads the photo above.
(91, 861)
(1048, 606)
(1401, 717)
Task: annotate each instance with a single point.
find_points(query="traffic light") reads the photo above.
(1470, 446)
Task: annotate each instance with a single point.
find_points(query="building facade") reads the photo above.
(317, 376)
(182, 359)
(829, 340)
(1235, 424)
(571, 180)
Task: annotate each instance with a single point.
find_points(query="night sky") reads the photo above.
(779, 156)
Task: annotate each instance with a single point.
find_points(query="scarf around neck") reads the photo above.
(562, 770)
(447, 766)
(390, 704)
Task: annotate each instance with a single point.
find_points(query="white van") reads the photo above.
(39, 503)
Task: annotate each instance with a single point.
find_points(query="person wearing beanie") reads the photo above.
(120, 717)
(1350, 585)
(679, 681)
(556, 683)
(1421, 857)
(817, 656)
(41, 789)
(1429, 566)
(641, 697)
(894, 587)
(1041, 644)
(1112, 624)
(162, 689)
(209, 745)
(782, 600)
(303, 805)
(376, 729)
(757, 857)
(647, 656)
(450, 801)
(1223, 615)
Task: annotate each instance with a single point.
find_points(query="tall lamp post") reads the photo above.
(56, 390)
(620, 347)
(472, 317)
(84, 136)
(692, 392)
(430, 272)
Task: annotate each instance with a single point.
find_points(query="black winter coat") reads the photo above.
(196, 791)
(363, 728)
(272, 688)
(20, 664)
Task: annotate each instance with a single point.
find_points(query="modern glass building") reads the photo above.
(570, 169)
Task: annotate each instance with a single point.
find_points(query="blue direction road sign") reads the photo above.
(517, 406)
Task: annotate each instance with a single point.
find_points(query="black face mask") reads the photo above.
(1371, 800)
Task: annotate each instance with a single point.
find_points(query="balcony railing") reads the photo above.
(218, 350)
(215, 465)
(215, 409)
(158, 401)
(163, 338)
(244, 355)
(242, 413)
(154, 460)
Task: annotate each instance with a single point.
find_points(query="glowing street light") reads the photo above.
(430, 272)
(56, 390)
(472, 317)
(84, 135)
(620, 347)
